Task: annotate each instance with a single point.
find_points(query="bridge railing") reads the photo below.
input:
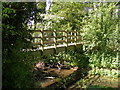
(45, 39)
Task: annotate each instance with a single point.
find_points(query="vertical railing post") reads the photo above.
(75, 37)
(42, 42)
(66, 39)
(71, 37)
(55, 42)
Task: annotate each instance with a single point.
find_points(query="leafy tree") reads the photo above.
(17, 64)
(67, 15)
(101, 36)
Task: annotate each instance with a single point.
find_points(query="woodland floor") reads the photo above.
(89, 81)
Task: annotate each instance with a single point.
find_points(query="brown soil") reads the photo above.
(59, 73)
(107, 81)
(96, 80)
(56, 75)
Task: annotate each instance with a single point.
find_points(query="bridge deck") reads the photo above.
(59, 48)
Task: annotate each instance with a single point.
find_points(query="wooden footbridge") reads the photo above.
(54, 41)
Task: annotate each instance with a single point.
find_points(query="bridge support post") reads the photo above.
(66, 40)
(42, 42)
(55, 42)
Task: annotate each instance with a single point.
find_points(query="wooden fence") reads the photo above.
(55, 39)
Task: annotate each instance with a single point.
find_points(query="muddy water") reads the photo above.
(59, 74)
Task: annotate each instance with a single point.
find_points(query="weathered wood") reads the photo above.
(71, 40)
(75, 38)
(67, 36)
(53, 31)
(52, 36)
(42, 41)
(55, 42)
(60, 41)
(50, 50)
(66, 39)
(36, 43)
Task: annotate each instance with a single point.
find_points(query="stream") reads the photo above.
(53, 75)
(60, 74)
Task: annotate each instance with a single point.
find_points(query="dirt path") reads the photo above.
(107, 81)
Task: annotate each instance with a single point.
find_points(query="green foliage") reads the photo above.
(18, 70)
(104, 61)
(101, 87)
(15, 17)
(105, 72)
(101, 36)
(17, 65)
(101, 31)
(70, 58)
(66, 15)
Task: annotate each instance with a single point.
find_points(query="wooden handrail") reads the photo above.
(67, 36)
(60, 41)
(50, 37)
(36, 43)
(71, 40)
(53, 30)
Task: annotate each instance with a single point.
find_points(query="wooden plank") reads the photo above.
(50, 50)
(52, 42)
(55, 45)
(75, 38)
(74, 35)
(71, 40)
(49, 42)
(66, 39)
(60, 41)
(53, 31)
(36, 43)
(51, 37)
(42, 41)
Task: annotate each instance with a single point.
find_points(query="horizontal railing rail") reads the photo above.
(46, 38)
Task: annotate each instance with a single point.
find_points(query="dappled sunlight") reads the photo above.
(60, 45)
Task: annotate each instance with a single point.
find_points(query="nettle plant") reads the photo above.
(101, 36)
